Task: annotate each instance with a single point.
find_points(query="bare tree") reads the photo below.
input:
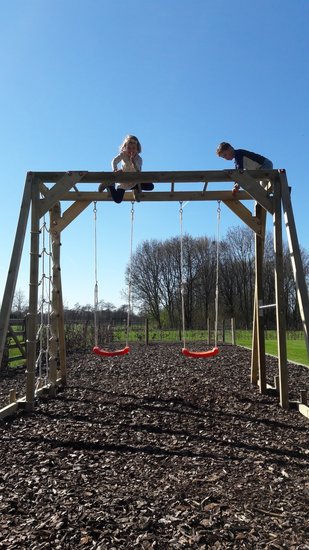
(20, 304)
(146, 280)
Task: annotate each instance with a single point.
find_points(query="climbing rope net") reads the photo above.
(44, 306)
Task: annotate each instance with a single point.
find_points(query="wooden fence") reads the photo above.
(15, 347)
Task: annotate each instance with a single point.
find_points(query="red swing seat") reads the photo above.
(200, 354)
(106, 353)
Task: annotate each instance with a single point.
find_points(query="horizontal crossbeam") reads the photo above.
(157, 196)
(156, 177)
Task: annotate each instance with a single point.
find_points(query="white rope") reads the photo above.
(130, 273)
(182, 281)
(96, 286)
(217, 274)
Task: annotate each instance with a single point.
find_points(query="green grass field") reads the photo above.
(296, 346)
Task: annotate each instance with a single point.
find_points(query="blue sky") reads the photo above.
(78, 75)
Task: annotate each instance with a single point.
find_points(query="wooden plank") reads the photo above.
(245, 215)
(295, 256)
(65, 183)
(9, 410)
(10, 285)
(71, 213)
(13, 408)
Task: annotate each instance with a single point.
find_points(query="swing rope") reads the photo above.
(130, 274)
(182, 281)
(96, 286)
(97, 350)
(185, 351)
(217, 274)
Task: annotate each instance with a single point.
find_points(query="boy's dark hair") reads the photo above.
(223, 147)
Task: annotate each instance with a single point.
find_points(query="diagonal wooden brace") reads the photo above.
(63, 185)
(253, 188)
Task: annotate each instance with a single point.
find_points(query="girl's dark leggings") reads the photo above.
(118, 194)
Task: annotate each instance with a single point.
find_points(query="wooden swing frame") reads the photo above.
(46, 191)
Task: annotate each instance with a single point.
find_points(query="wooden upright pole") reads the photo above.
(58, 332)
(258, 346)
(33, 295)
(54, 361)
(280, 300)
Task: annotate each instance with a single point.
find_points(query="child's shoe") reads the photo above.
(102, 187)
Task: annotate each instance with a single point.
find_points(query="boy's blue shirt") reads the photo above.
(243, 157)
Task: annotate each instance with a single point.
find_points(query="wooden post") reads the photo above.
(259, 317)
(208, 331)
(254, 350)
(223, 331)
(146, 331)
(304, 397)
(12, 396)
(56, 287)
(280, 301)
(62, 346)
(33, 295)
(233, 331)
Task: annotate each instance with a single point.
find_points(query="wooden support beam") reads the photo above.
(70, 214)
(295, 256)
(245, 215)
(65, 183)
(157, 196)
(253, 187)
(10, 285)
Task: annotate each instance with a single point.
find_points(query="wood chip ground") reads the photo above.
(153, 450)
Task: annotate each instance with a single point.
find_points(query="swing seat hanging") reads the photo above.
(106, 353)
(201, 354)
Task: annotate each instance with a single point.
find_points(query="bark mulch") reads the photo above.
(153, 450)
